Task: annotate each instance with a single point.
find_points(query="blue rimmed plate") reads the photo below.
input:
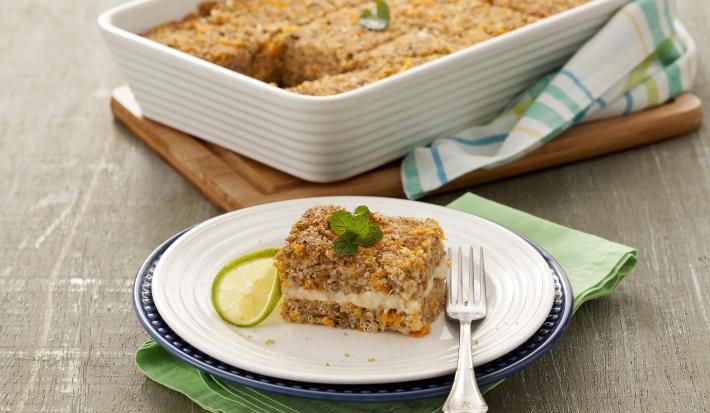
(520, 294)
(522, 356)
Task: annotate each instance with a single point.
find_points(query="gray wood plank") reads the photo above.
(83, 202)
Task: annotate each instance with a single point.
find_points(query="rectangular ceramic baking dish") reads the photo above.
(328, 138)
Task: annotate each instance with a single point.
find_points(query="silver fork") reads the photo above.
(466, 308)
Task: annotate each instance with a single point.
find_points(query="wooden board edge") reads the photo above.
(220, 198)
(682, 116)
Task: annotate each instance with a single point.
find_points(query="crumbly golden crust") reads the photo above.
(400, 268)
(343, 82)
(329, 46)
(246, 36)
(291, 42)
(401, 263)
(363, 319)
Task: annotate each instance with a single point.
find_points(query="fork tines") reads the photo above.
(467, 295)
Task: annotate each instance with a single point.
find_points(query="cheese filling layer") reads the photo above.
(372, 300)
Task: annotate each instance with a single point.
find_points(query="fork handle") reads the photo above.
(465, 396)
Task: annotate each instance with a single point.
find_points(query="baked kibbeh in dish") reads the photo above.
(324, 47)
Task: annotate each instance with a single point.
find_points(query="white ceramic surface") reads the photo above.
(520, 295)
(327, 138)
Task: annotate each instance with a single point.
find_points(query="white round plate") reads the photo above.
(519, 282)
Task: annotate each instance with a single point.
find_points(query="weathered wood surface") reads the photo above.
(83, 202)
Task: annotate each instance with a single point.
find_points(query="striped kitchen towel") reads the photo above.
(641, 58)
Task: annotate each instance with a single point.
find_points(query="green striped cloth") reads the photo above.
(594, 266)
(641, 58)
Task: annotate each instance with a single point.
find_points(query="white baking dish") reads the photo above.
(327, 138)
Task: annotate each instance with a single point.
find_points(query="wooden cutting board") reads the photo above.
(232, 181)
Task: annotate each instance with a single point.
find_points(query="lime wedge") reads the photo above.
(247, 289)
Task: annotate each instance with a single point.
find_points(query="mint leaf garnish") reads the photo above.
(361, 225)
(354, 230)
(346, 244)
(362, 210)
(379, 20)
(383, 11)
(373, 236)
(340, 221)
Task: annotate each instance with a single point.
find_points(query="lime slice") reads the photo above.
(247, 289)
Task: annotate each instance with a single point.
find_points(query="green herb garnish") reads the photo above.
(374, 234)
(379, 20)
(354, 230)
(346, 244)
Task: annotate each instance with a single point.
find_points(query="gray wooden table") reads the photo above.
(82, 202)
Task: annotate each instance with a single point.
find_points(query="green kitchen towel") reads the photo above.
(594, 266)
